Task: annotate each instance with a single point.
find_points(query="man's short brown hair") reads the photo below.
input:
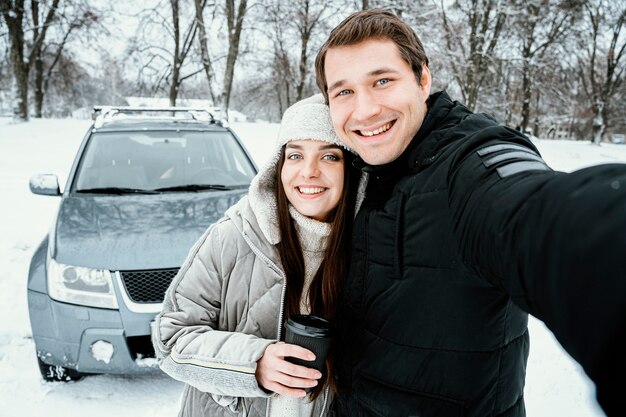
(373, 24)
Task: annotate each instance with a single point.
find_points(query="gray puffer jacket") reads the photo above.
(224, 308)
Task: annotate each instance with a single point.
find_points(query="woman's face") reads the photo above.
(312, 177)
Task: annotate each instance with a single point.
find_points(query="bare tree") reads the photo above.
(13, 12)
(180, 51)
(282, 71)
(5, 68)
(541, 25)
(205, 54)
(601, 67)
(309, 14)
(296, 30)
(159, 65)
(74, 85)
(282, 68)
(70, 20)
(471, 34)
(235, 15)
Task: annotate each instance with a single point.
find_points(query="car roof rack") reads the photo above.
(104, 114)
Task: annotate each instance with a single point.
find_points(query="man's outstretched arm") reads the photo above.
(556, 243)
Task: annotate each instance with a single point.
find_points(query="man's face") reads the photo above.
(376, 103)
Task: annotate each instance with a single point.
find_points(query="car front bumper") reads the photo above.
(67, 335)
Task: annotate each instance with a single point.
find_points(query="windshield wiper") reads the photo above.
(195, 187)
(115, 190)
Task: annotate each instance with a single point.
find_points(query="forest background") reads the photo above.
(553, 69)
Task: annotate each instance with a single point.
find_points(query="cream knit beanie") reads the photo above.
(308, 119)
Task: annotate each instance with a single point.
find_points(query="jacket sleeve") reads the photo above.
(555, 242)
(186, 340)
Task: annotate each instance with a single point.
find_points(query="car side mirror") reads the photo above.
(44, 184)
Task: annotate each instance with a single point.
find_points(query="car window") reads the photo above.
(149, 160)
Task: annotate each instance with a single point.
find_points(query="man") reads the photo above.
(464, 231)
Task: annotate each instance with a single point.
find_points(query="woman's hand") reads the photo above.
(276, 374)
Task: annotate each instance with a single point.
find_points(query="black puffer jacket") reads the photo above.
(456, 241)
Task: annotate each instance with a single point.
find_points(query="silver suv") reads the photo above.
(144, 186)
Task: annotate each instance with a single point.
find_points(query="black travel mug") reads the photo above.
(312, 333)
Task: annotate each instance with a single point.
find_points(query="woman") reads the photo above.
(278, 252)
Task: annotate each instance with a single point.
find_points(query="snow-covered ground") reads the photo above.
(555, 385)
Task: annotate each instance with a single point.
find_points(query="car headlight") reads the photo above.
(80, 285)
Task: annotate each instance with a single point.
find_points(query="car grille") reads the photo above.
(147, 286)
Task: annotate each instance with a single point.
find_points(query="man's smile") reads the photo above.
(377, 131)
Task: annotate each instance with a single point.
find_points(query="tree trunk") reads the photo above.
(305, 34)
(526, 95)
(13, 16)
(535, 131)
(175, 83)
(39, 92)
(36, 56)
(508, 114)
(598, 124)
(204, 49)
(235, 24)
(20, 71)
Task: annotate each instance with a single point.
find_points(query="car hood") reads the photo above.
(130, 232)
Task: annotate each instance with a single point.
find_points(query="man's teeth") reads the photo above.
(377, 131)
(311, 190)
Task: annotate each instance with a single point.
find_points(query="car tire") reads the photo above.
(57, 373)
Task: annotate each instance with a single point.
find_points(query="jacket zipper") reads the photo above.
(281, 273)
(281, 311)
(272, 265)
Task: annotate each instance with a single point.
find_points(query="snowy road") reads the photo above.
(555, 386)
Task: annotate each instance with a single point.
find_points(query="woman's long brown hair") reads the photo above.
(325, 290)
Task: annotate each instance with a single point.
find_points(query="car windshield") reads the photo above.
(124, 162)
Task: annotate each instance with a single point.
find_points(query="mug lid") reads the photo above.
(309, 325)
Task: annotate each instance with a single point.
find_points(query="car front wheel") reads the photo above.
(52, 373)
